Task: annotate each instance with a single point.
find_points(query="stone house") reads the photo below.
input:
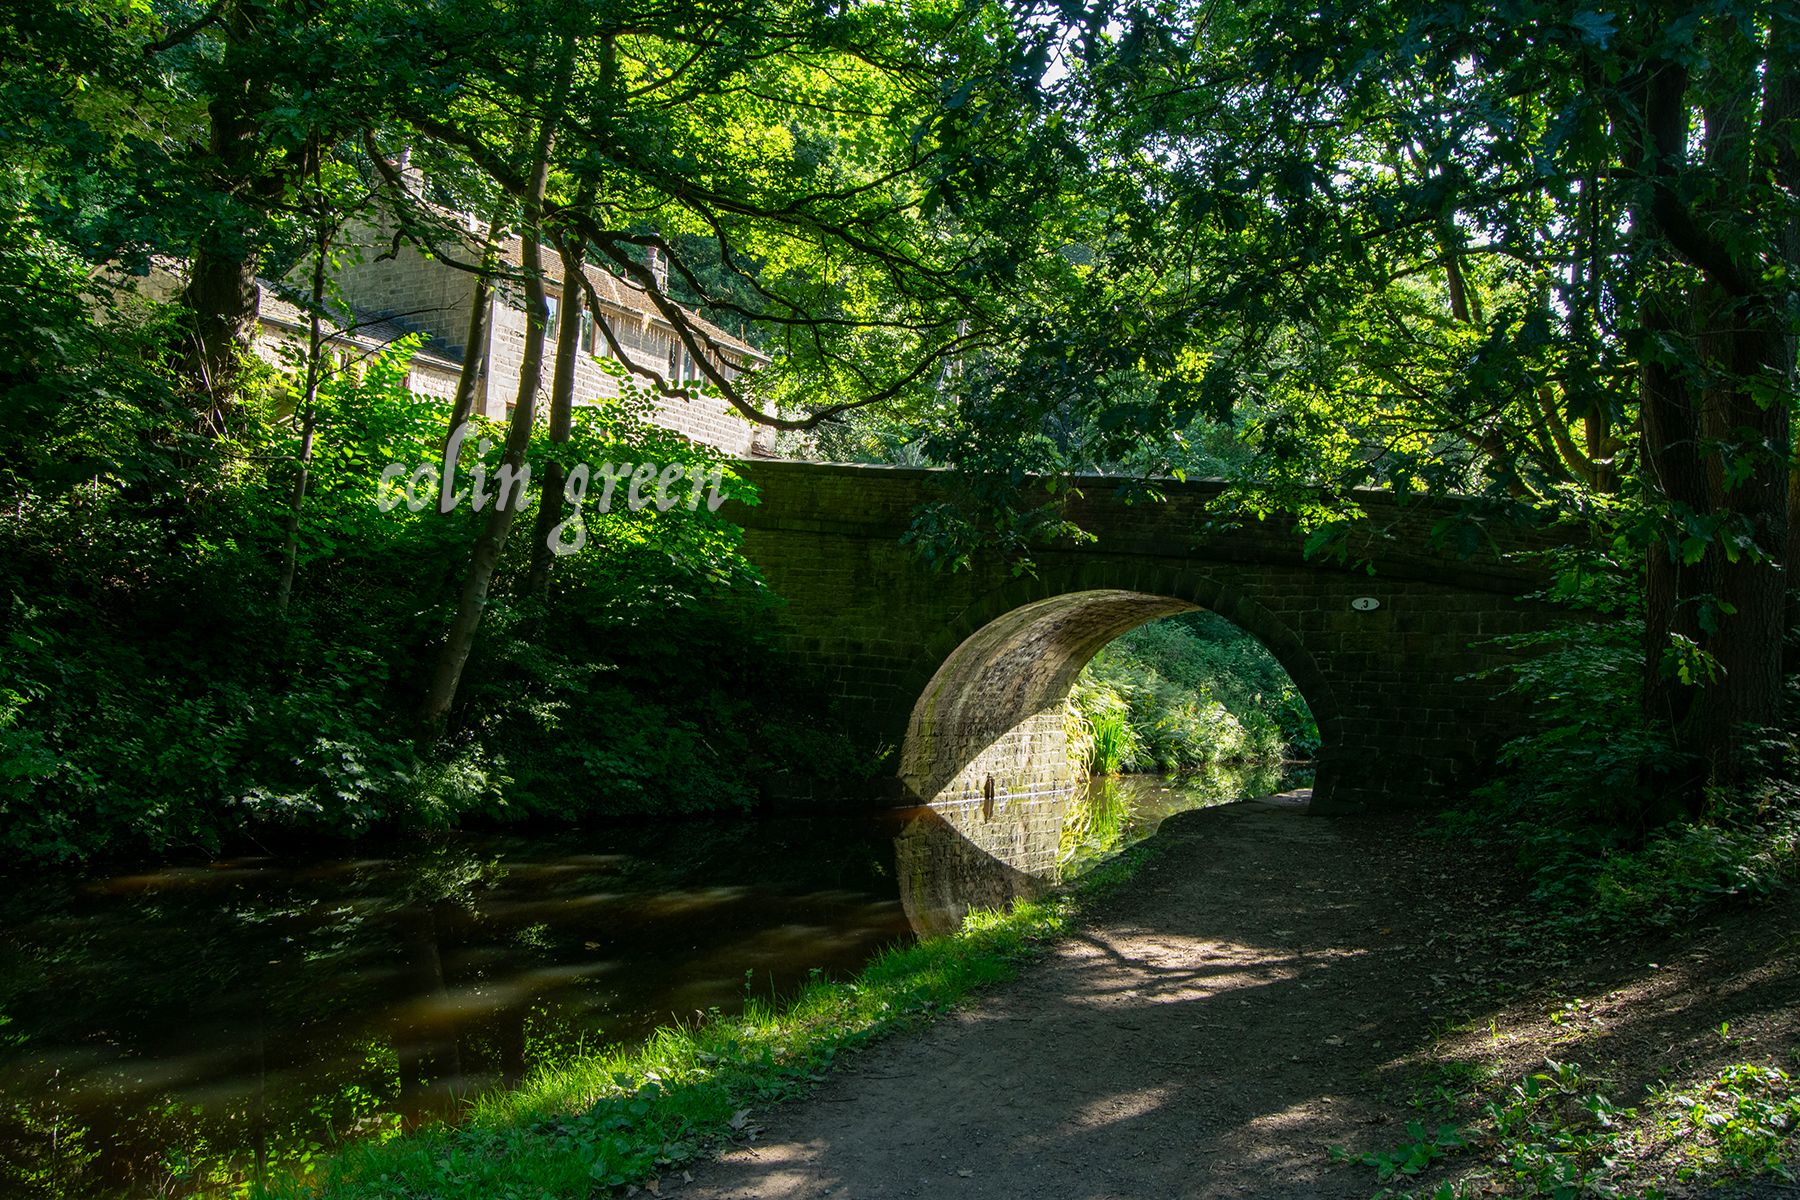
(383, 298)
(283, 329)
(411, 292)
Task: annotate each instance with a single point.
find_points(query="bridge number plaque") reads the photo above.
(1365, 604)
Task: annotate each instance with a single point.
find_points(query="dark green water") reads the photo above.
(163, 1032)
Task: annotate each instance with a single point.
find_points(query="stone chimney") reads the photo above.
(658, 263)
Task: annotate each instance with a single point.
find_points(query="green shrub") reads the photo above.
(1743, 1122)
(1186, 692)
(1112, 738)
(1575, 806)
(152, 697)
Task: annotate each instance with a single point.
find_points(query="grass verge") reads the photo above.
(598, 1123)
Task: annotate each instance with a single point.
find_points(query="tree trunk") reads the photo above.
(475, 337)
(221, 294)
(222, 302)
(1746, 354)
(562, 412)
(1730, 604)
(441, 696)
(309, 411)
(1676, 476)
(1781, 112)
(1753, 583)
(1790, 663)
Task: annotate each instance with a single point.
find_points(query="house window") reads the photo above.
(554, 304)
(587, 331)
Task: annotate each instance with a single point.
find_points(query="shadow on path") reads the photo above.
(1272, 983)
(1200, 1037)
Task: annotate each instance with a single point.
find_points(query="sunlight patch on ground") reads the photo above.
(1121, 1106)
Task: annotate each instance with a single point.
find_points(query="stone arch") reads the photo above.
(988, 724)
(1393, 645)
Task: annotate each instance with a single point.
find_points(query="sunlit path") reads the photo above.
(1199, 1039)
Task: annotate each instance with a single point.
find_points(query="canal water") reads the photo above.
(160, 1032)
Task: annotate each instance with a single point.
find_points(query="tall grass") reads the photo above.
(1115, 743)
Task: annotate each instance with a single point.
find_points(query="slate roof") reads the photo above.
(630, 296)
(346, 326)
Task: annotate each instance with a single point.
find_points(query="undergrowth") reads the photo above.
(1186, 692)
(1578, 804)
(155, 697)
(1554, 1133)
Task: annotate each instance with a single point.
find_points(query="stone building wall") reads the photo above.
(707, 419)
(418, 292)
(282, 343)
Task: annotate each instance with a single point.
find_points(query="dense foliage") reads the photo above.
(210, 628)
(154, 699)
(1578, 790)
(1542, 255)
(1186, 692)
(1539, 255)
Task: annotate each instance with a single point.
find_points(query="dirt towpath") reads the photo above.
(1268, 986)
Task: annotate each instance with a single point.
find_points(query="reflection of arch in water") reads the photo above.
(990, 725)
(955, 859)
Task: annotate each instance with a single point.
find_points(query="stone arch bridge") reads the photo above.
(962, 677)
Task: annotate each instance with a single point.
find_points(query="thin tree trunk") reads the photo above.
(1676, 474)
(1600, 448)
(441, 696)
(562, 410)
(475, 353)
(1603, 450)
(309, 411)
(562, 391)
(475, 337)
